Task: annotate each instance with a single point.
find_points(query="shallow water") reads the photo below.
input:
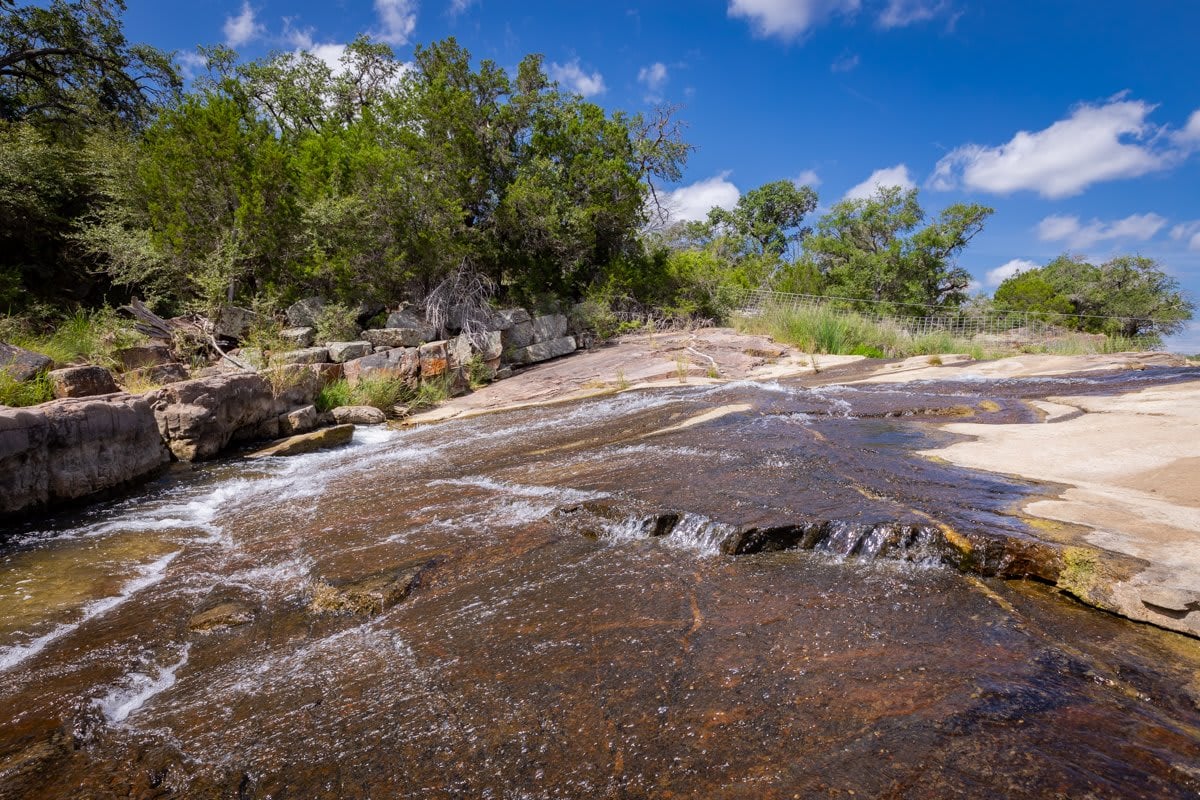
(540, 657)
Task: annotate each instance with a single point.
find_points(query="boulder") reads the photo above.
(358, 415)
(459, 351)
(199, 418)
(70, 449)
(549, 327)
(326, 373)
(294, 385)
(505, 318)
(308, 355)
(300, 337)
(366, 310)
(542, 351)
(302, 420)
(85, 381)
(340, 352)
(407, 317)
(304, 313)
(399, 337)
(225, 614)
(234, 322)
(308, 442)
(249, 355)
(159, 375)
(434, 360)
(398, 362)
(22, 364)
(516, 336)
(142, 356)
(491, 346)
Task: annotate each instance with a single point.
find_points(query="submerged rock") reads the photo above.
(70, 449)
(308, 442)
(370, 595)
(225, 614)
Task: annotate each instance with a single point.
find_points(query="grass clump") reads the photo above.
(19, 394)
(85, 337)
(382, 392)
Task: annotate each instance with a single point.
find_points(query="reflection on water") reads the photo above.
(535, 661)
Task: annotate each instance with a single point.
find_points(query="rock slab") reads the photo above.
(308, 442)
(68, 449)
(85, 381)
(22, 364)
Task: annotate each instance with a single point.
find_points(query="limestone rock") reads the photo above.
(142, 356)
(517, 335)
(304, 313)
(399, 337)
(341, 352)
(308, 355)
(366, 310)
(549, 327)
(85, 381)
(542, 351)
(308, 442)
(399, 362)
(198, 418)
(225, 614)
(434, 360)
(300, 336)
(459, 351)
(407, 317)
(504, 319)
(302, 420)
(234, 322)
(370, 595)
(22, 364)
(358, 415)
(492, 346)
(69, 449)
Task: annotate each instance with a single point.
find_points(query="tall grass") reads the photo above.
(91, 337)
(384, 393)
(820, 329)
(18, 394)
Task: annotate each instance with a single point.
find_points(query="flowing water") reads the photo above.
(580, 626)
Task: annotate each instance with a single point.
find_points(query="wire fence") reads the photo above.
(966, 322)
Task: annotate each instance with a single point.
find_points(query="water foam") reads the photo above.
(150, 574)
(119, 703)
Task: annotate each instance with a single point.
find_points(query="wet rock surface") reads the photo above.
(308, 442)
(621, 607)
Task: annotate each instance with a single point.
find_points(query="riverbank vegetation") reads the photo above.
(262, 182)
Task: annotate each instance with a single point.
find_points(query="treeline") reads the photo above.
(285, 177)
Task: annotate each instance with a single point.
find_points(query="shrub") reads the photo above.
(337, 323)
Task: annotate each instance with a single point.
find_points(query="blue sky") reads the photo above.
(1077, 120)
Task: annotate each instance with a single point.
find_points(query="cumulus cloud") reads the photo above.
(397, 20)
(243, 28)
(191, 64)
(1095, 143)
(1000, 274)
(901, 13)
(808, 178)
(654, 78)
(888, 176)
(1189, 232)
(789, 19)
(575, 79)
(692, 202)
(1077, 236)
(302, 40)
(459, 6)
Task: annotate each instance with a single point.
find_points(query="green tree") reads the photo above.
(769, 217)
(874, 249)
(1031, 291)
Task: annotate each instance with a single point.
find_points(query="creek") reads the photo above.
(739, 591)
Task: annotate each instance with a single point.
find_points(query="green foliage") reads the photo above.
(91, 337)
(19, 394)
(334, 395)
(430, 393)
(872, 249)
(337, 323)
(1141, 299)
(769, 217)
(378, 391)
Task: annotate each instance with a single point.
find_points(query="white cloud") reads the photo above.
(575, 79)
(808, 178)
(1077, 236)
(1000, 274)
(888, 176)
(1189, 231)
(397, 20)
(789, 19)
(243, 28)
(1190, 135)
(1095, 143)
(900, 13)
(692, 202)
(459, 6)
(191, 64)
(654, 78)
(302, 40)
(844, 63)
